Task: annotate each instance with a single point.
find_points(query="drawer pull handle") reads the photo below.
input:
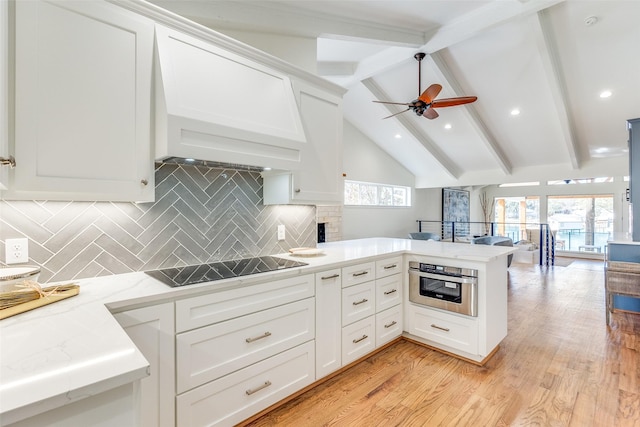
(391, 324)
(362, 301)
(440, 327)
(257, 389)
(389, 267)
(390, 292)
(362, 273)
(333, 276)
(266, 334)
(364, 337)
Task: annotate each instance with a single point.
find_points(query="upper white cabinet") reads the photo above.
(83, 80)
(213, 104)
(319, 178)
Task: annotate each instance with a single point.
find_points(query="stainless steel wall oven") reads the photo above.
(448, 288)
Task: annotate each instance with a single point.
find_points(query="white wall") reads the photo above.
(365, 161)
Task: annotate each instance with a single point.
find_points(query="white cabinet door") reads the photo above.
(152, 331)
(83, 102)
(450, 332)
(319, 178)
(359, 273)
(358, 339)
(388, 292)
(358, 302)
(4, 91)
(328, 322)
(388, 325)
(208, 353)
(241, 394)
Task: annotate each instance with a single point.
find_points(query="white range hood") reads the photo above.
(215, 105)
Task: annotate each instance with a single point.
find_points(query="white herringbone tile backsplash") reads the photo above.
(201, 214)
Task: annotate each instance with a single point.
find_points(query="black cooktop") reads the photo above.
(192, 274)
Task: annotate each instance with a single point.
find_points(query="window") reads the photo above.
(517, 216)
(358, 193)
(581, 223)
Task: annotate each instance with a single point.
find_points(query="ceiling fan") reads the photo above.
(426, 103)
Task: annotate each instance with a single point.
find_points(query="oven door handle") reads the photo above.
(444, 277)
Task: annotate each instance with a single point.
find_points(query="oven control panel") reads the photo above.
(442, 269)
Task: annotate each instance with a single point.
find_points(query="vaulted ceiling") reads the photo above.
(549, 59)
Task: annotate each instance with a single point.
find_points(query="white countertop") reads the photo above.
(63, 352)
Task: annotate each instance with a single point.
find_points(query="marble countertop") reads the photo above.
(63, 352)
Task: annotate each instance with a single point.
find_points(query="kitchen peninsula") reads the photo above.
(73, 360)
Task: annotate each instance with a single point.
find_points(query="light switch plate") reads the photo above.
(16, 251)
(281, 232)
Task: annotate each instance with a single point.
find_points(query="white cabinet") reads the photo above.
(319, 177)
(82, 102)
(233, 398)
(211, 352)
(388, 325)
(219, 306)
(358, 339)
(371, 307)
(388, 267)
(243, 349)
(453, 331)
(358, 273)
(388, 292)
(328, 324)
(152, 330)
(358, 302)
(4, 92)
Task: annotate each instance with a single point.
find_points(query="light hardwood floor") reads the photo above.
(558, 366)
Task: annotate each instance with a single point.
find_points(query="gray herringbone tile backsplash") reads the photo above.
(201, 214)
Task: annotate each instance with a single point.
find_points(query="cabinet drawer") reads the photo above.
(358, 339)
(457, 332)
(204, 310)
(388, 266)
(358, 274)
(237, 396)
(358, 302)
(388, 325)
(211, 352)
(388, 292)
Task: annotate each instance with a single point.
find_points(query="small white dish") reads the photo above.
(306, 251)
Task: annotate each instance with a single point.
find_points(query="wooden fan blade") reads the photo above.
(451, 102)
(430, 113)
(395, 103)
(430, 93)
(395, 114)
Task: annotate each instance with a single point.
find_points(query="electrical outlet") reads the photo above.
(16, 251)
(281, 232)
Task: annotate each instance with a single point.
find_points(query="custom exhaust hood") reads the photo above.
(215, 105)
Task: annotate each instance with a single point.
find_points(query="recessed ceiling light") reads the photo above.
(447, 126)
(398, 136)
(515, 112)
(266, 169)
(605, 94)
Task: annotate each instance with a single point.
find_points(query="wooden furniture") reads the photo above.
(621, 278)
